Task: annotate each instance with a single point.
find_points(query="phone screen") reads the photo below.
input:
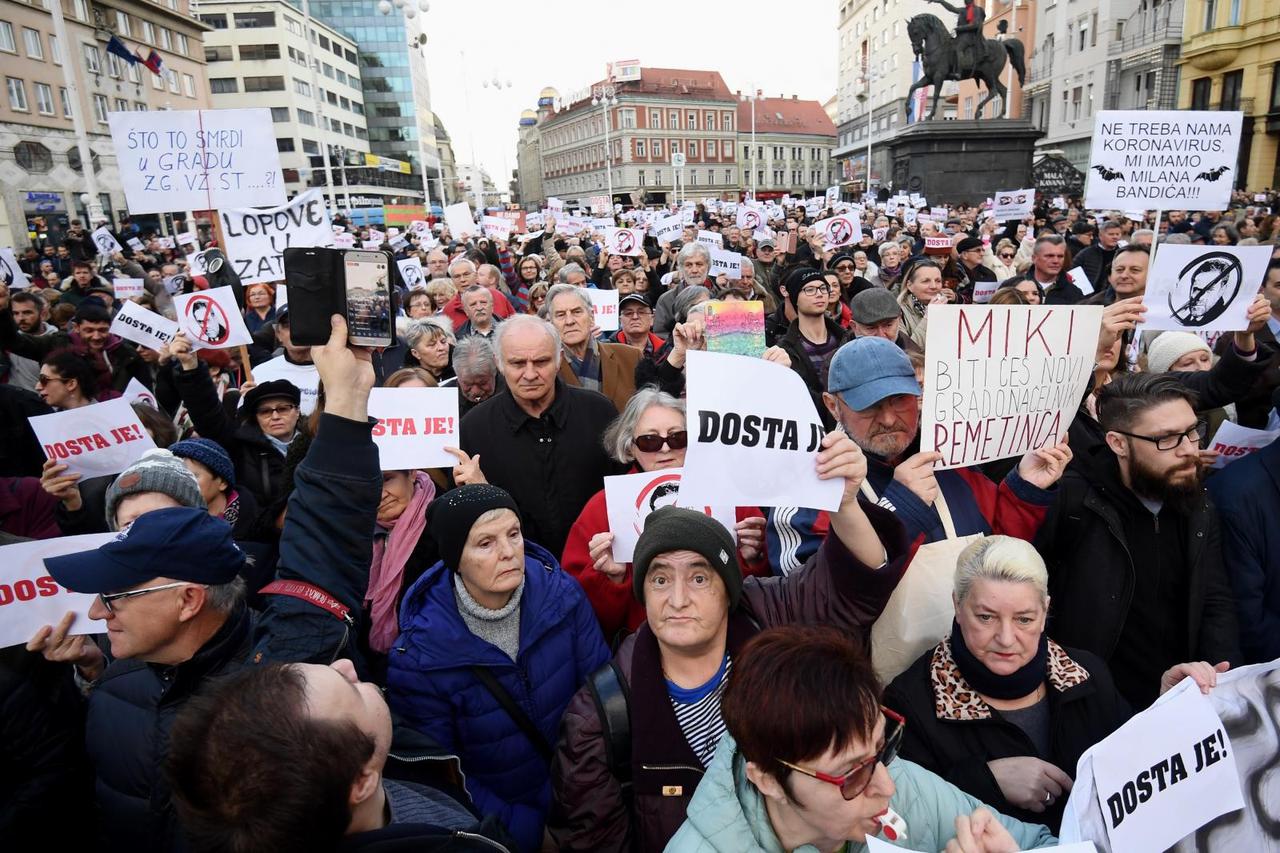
(368, 298)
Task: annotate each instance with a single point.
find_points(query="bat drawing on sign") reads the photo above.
(1108, 174)
(1214, 174)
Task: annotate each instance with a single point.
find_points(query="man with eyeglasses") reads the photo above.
(1133, 544)
(973, 276)
(661, 694)
(873, 394)
(813, 337)
(636, 325)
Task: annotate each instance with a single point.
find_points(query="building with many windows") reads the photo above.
(793, 143)
(659, 112)
(41, 173)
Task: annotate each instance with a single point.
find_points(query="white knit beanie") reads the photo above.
(1168, 347)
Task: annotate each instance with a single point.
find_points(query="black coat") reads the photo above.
(20, 452)
(954, 733)
(551, 465)
(1063, 291)
(1096, 263)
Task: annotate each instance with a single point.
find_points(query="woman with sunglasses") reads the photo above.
(809, 759)
(1002, 260)
(649, 435)
(1000, 710)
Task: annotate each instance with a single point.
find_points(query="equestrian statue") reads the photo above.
(966, 56)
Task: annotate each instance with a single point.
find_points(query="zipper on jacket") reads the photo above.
(473, 836)
(699, 770)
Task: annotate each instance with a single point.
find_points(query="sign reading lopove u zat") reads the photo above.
(256, 238)
(197, 159)
(1003, 380)
(95, 440)
(1161, 159)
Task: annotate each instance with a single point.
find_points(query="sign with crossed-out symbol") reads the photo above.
(1206, 287)
(626, 242)
(839, 232)
(751, 220)
(208, 320)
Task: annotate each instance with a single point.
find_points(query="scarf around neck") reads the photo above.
(1012, 686)
(390, 554)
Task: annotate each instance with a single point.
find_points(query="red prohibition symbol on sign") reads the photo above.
(626, 242)
(840, 231)
(752, 220)
(209, 320)
(660, 491)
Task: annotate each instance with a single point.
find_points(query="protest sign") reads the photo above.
(11, 274)
(599, 204)
(282, 296)
(666, 228)
(344, 241)
(602, 223)
(197, 159)
(910, 216)
(187, 238)
(198, 264)
(749, 218)
(813, 206)
(754, 435)
(211, 319)
(94, 440)
(31, 599)
(371, 245)
(414, 426)
(143, 326)
(727, 262)
(735, 327)
(166, 242)
(1232, 442)
(630, 498)
(256, 238)
(554, 204)
(571, 225)
(983, 291)
(624, 241)
(420, 226)
(399, 242)
(1013, 204)
(411, 272)
(1203, 288)
(127, 288)
(843, 230)
(459, 220)
(496, 227)
(136, 392)
(1080, 279)
(1158, 159)
(1003, 380)
(711, 239)
(377, 236)
(106, 241)
(135, 244)
(605, 306)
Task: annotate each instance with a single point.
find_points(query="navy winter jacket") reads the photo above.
(431, 685)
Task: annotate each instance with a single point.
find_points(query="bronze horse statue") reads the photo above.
(934, 45)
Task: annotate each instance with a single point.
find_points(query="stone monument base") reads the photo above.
(950, 162)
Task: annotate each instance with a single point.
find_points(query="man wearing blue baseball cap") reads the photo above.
(873, 394)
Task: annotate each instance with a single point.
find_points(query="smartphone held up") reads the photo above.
(354, 283)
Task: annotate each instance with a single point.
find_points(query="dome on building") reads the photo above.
(547, 97)
(528, 118)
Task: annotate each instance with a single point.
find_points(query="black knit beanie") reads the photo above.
(672, 528)
(797, 281)
(451, 515)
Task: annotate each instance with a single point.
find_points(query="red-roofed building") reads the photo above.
(793, 144)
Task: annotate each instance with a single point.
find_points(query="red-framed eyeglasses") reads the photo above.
(853, 783)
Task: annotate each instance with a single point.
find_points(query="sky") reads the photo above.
(786, 49)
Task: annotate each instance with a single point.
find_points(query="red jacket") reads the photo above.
(614, 604)
(501, 308)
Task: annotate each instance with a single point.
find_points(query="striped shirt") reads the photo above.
(698, 712)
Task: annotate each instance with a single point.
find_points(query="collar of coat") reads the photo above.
(954, 699)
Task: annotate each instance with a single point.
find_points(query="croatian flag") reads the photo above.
(918, 98)
(155, 63)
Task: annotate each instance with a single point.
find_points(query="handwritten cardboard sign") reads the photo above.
(256, 238)
(211, 319)
(414, 426)
(630, 498)
(95, 440)
(31, 599)
(1003, 380)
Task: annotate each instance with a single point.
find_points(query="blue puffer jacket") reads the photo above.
(431, 685)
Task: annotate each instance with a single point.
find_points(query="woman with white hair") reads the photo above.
(1000, 710)
(430, 341)
(890, 268)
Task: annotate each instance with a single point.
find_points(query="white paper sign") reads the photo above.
(711, 239)
(135, 244)
(136, 392)
(496, 227)
(460, 221)
(105, 241)
(1002, 380)
(754, 435)
(31, 599)
(605, 305)
(843, 230)
(256, 238)
(667, 228)
(210, 319)
(135, 323)
(1080, 279)
(344, 241)
(624, 241)
(1203, 288)
(414, 426)
(282, 296)
(726, 262)
(94, 440)
(1013, 204)
(1233, 442)
(187, 238)
(411, 272)
(197, 159)
(630, 498)
(1161, 159)
(198, 264)
(304, 377)
(371, 245)
(127, 288)
(750, 218)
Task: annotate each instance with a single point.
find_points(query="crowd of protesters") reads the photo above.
(293, 650)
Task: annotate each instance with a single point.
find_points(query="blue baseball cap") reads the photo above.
(182, 543)
(866, 370)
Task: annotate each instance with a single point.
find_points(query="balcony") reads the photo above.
(1165, 30)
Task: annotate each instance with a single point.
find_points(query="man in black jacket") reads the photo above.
(1048, 260)
(1096, 259)
(1133, 545)
(540, 438)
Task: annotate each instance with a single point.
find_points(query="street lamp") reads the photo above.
(869, 76)
(753, 97)
(606, 96)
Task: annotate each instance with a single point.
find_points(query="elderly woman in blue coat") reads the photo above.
(495, 640)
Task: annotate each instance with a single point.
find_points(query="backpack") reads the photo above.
(612, 695)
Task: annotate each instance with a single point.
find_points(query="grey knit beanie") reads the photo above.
(672, 528)
(157, 471)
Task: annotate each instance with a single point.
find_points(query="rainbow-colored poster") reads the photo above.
(735, 327)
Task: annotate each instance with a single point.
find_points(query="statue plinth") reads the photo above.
(963, 161)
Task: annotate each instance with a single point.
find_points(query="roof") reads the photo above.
(664, 82)
(786, 115)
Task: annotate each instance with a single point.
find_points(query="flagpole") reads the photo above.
(70, 70)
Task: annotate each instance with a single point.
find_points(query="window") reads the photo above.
(324, 42)
(693, 148)
(746, 152)
(122, 105)
(728, 176)
(66, 102)
(726, 121)
(218, 53)
(218, 22)
(331, 97)
(1200, 88)
(692, 123)
(157, 82)
(92, 60)
(728, 149)
(1075, 102)
(1275, 87)
(100, 108)
(657, 150)
(297, 56)
(122, 23)
(327, 70)
(1210, 14)
(693, 177)
(259, 51)
(173, 80)
(655, 118)
(252, 20)
(310, 146)
(183, 46)
(223, 85)
(1233, 16)
(673, 119)
(285, 144)
(627, 119)
(17, 94)
(44, 99)
(113, 66)
(302, 87)
(710, 122)
(189, 85)
(1231, 84)
(55, 49)
(264, 84)
(1083, 36)
(82, 9)
(1093, 30)
(149, 32)
(33, 156)
(640, 148)
(292, 26)
(31, 40)
(306, 117)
